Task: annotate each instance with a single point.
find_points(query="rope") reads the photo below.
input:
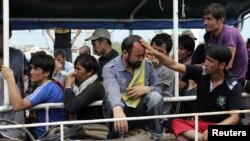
(93, 132)
(25, 130)
(183, 15)
(53, 134)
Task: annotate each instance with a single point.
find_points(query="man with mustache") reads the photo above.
(102, 47)
(118, 75)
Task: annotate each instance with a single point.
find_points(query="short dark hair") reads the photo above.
(128, 42)
(187, 42)
(86, 48)
(217, 10)
(220, 53)
(88, 62)
(163, 38)
(60, 52)
(248, 41)
(43, 61)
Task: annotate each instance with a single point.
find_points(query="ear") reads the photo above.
(124, 53)
(222, 65)
(222, 20)
(46, 74)
(90, 73)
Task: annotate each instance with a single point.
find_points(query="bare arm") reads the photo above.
(15, 98)
(50, 36)
(230, 64)
(78, 32)
(120, 126)
(232, 120)
(165, 60)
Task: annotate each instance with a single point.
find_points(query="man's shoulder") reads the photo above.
(230, 30)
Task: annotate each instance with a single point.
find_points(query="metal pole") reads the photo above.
(6, 46)
(175, 45)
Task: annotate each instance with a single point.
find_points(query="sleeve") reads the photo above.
(153, 78)
(111, 86)
(230, 39)
(166, 77)
(39, 95)
(74, 104)
(194, 72)
(235, 98)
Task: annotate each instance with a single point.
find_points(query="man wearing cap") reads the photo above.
(101, 43)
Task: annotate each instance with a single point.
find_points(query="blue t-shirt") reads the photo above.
(48, 92)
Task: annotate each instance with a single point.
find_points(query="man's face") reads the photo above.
(211, 24)
(212, 66)
(98, 47)
(37, 75)
(136, 56)
(81, 74)
(60, 58)
(162, 49)
(183, 54)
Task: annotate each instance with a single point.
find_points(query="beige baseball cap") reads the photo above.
(189, 33)
(99, 33)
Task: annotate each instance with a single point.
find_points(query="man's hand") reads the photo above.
(58, 66)
(7, 73)
(120, 126)
(137, 91)
(70, 80)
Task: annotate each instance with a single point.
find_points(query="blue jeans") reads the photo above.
(151, 104)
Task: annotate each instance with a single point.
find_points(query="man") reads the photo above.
(11, 115)
(229, 36)
(63, 40)
(132, 89)
(217, 90)
(163, 43)
(60, 55)
(19, 64)
(84, 49)
(198, 56)
(101, 43)
(185, 50)
(47, 91)
(83, 88)
(189, 33)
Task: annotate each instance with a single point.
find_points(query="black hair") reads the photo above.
(220, 53)
(87, 49)
(163, 38)
(60, 52)
(128, 42)
(88, 62)
(248, 41)
(187, 42)
(43, 61)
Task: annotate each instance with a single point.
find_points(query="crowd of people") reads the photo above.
(134, 82)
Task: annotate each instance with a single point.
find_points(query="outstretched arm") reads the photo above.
(78, 32)
(50, 36)
(165, 60)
